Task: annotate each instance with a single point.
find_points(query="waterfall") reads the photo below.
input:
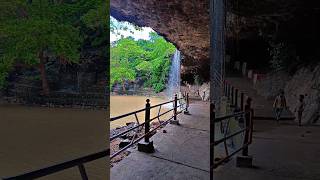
(173, 86)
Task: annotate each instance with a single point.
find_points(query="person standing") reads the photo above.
(300, 108)
(279, 104)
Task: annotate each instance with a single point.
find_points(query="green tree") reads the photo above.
(146, 59)
(160, 55)
(125, 56)
(41, 29)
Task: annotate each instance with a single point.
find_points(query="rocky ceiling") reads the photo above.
(186, 22)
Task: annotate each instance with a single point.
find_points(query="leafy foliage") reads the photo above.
(146, 59)
(56, 28)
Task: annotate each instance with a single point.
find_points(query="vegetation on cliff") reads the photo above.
(148, 60)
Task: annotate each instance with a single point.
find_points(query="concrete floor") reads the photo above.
(263, 108)
(181, 154)
(280, 152)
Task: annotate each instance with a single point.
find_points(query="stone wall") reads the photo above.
(305, 81)
(270, 86)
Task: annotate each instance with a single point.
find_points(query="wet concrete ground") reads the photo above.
(181, 154)
(280, 152)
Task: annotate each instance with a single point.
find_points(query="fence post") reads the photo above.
(212, 133)
(147, 121)
(175, 107)
(147, 145)
(247, 116)
(236, 98)
(229, 90)
(232, 95)
(241, 101)
(82, 171)
(245, 160)
(187, 104)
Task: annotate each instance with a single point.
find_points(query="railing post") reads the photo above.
(247, 121)
(146, 146)
(212, 133)
(175, 107)
(245, 160)
(83, 173)
(232, 95)
(241, 101)
(147, 121)
(226, 89)
(187, 104)
(229, 90)
(236, 98)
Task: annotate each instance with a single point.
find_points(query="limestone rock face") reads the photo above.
(271, 85)
(184, 23)
(305, 81)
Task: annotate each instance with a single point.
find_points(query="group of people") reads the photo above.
(280, 104)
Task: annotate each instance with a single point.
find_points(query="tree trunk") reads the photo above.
(124, 86)
(42, 68)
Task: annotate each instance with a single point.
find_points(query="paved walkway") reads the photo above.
(262, 106)
(280, 152)
(181, 154)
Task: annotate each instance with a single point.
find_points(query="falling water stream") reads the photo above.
(173, 86)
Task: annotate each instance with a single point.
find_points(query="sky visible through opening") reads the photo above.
(130, 30)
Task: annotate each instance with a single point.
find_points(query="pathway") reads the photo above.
(262, 106)
(181, 154)
(281, 151)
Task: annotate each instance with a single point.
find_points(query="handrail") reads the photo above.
(146, 124)
(242, 110)
(219, 119)
(62, 166)
(140, 110)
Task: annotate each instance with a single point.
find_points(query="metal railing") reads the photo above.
(181, 103)
(79, 162)
(29, 97)
(241, 112)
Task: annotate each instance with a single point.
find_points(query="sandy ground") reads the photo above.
(35, 137)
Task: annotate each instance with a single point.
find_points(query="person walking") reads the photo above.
(279, 104)
(300, 108)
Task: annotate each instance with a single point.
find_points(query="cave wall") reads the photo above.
(184, 23)
(251, 26)
(305, 81)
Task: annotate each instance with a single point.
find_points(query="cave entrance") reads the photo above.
(142, 61)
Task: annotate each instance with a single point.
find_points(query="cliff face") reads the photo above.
(184, 23)
(305, 81)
